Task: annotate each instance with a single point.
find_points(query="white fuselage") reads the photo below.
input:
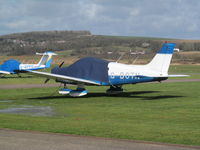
(124, 70)
(30, 66)
(124, 74)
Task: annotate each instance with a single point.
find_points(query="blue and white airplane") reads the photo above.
(13, 66)
(93, 71)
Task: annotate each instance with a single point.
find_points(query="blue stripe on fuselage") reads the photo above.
(117, 80)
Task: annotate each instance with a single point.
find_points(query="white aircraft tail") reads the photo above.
(161, 61)
(46, 59)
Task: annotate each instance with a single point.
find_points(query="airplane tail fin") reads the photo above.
(46, 59)
(161, 61)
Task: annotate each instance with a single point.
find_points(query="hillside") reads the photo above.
(83, 43)
(30, 42)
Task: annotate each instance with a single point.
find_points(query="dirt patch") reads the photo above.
(30, 110)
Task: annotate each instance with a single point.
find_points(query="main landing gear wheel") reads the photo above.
(114, 90)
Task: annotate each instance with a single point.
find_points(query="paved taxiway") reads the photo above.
(23, 140)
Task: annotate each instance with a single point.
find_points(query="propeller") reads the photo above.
(61, 64)
(46, 80)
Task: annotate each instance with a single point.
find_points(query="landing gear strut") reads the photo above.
(114, 90)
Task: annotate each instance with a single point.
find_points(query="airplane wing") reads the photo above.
(62, 77)
(4, 72)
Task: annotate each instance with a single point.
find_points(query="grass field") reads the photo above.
(192, 70)
(167, 112)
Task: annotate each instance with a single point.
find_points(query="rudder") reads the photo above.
(161, 61)
(46, 59)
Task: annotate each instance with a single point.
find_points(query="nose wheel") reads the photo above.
(80, 91)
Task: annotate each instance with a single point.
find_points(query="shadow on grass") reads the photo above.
(138, 94)
(161, 97)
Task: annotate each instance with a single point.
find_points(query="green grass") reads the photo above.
(167, 112)
(24, 79)
(192, 70)
(65, 53)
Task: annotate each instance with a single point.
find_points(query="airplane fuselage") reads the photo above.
(130, 74)
(119, 74)
(31, 66)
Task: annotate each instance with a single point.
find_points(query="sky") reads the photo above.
(146, 18)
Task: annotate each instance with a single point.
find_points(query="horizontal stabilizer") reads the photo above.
(46, 53)
(178, 75)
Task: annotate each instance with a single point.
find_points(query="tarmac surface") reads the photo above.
(25, 140)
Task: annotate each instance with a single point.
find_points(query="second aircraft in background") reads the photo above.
(13, 66)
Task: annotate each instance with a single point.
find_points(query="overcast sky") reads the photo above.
(152, 18)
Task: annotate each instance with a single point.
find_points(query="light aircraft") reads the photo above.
(94, 71)
(13, 66)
